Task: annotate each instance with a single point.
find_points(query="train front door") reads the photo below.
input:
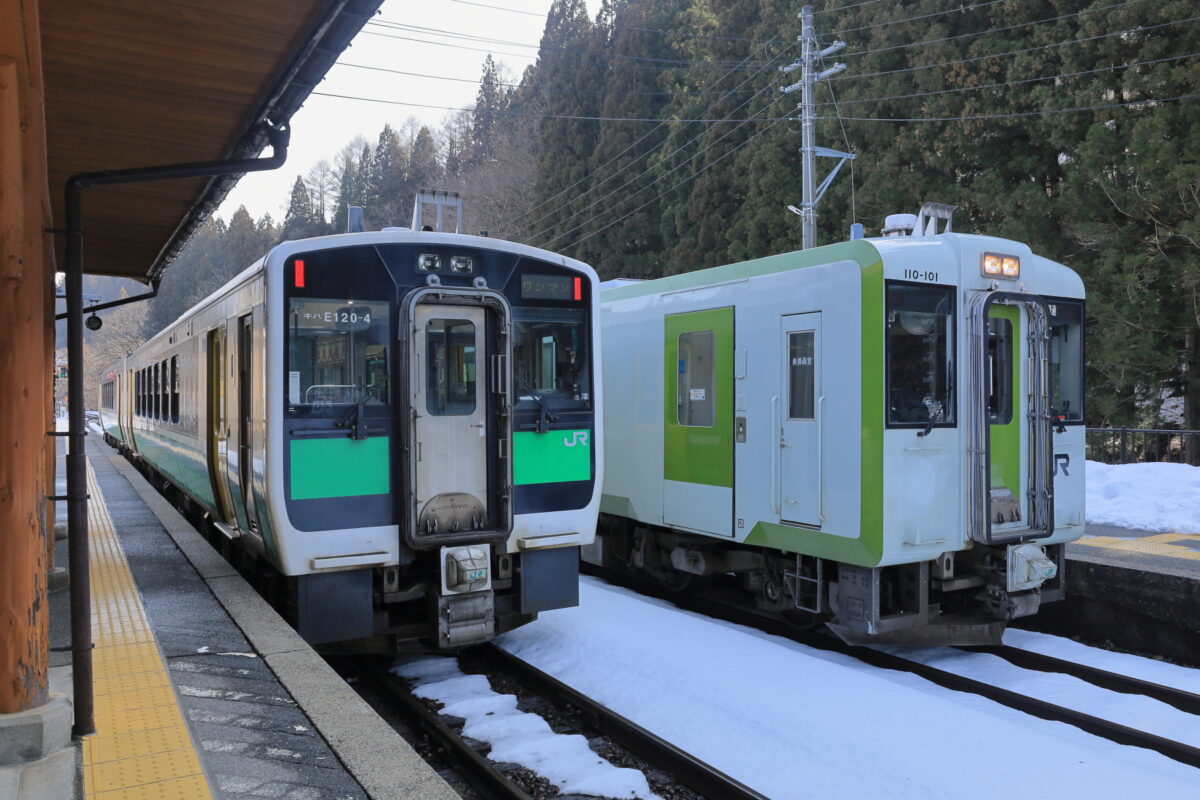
(218, 429)
(698, 421)
(800, 456)
(449, 397)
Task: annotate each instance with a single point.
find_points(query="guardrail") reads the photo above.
(1137, 445)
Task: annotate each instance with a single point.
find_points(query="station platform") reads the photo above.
(1132, 589)
(201, 689)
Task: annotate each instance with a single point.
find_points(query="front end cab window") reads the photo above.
(920, 335)
(1066, 359)
(551, 359)
(339, 334)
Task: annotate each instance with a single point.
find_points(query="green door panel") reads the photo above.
(553, 457)
(1006, 439)
(339, 467)
(702, 453)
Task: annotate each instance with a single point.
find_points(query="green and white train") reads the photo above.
(394, 430)
(885, 435)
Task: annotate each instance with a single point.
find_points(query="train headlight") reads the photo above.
(995, 265)
(460, 264)
(429, 262)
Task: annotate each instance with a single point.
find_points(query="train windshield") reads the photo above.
(1066, 359)
(920, 354)
(550, 358)
(337, 355)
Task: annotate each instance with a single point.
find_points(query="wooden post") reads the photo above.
(25, 477)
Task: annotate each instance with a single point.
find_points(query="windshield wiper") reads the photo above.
(545, 417)
(940, 414)
(356, 420)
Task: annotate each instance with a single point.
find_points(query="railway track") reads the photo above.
(1121, 734)
(492, 784)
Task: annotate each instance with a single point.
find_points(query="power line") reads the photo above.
(667, 191)
(992, 30)
(625, 27)
(1005, 84)
(1109, 35)
(1154, 100)
(477, 82)
(843, 8)
(634, 144)
(536, 114)
(913, 19)
(677, 150)
(423, 31)
(681, 65)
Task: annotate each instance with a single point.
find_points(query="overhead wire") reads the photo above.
(774, 58)
(1044, 112)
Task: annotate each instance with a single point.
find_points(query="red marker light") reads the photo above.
(579, 288)
(299, 274)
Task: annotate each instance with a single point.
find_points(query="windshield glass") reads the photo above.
(920, 348)
(1066, 359)
(337, 356)
(550, 358)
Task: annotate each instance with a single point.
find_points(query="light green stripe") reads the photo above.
(694, 454)
(554, 457)
(1006, 439)
(339, 467)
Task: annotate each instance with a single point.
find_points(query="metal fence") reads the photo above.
(1134, 445)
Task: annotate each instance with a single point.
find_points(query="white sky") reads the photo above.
(324, 124)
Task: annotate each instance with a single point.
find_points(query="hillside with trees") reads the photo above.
(654, 139)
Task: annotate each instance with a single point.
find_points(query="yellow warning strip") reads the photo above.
(142, 749)
(1163, 544)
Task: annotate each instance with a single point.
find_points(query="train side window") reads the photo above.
(920, 355)
(175, 389)
(137, 393)
(165, 413)
(1066, 359)
(156, 399)
(337, 356)
(1000, 371)
(696, 380)
(450, 367)
(802, 372)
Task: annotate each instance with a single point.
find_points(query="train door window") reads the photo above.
(801, 375)
(920, 355)
(1066, 359)
(450, 367)
(174, 388)
(1000, 371)
(696, 380)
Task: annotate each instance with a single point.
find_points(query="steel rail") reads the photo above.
(1112, 731)
(474, 768)
(684, 767)
(1113, 681)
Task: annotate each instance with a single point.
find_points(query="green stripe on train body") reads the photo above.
(552, 457)
(340, 467)
(699, 454)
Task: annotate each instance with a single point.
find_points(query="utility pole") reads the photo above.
(811, 193)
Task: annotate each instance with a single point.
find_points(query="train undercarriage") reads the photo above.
(960, 598)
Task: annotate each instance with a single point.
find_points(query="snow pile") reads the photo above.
(1153, 497)
(517, 737)
(794, 722)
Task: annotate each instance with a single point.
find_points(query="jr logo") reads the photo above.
(577, 437)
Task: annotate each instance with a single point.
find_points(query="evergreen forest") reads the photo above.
(655, 138)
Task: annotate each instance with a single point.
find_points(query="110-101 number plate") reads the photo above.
(921, 275)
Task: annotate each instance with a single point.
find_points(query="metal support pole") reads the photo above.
(77, 514)
(808, 122)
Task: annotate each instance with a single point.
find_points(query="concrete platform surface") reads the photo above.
(267, 715)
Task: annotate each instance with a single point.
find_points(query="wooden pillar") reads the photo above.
(25, 476)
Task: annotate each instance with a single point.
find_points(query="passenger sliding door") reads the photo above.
(218, 429)
(800, 435)
(698, 421)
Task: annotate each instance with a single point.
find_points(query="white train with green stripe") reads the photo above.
(394, 431)
(885, 435)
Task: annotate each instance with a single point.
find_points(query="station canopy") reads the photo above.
(140, 83)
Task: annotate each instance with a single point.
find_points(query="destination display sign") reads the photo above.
(548, 287)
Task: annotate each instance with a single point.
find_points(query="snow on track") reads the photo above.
(519, 737)
(794, 722)
(1141, 667)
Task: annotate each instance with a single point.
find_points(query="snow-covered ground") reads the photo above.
(1153, 497)
(794, 722)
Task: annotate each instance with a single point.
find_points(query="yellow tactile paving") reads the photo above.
(141, 749)
(1170, 545)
